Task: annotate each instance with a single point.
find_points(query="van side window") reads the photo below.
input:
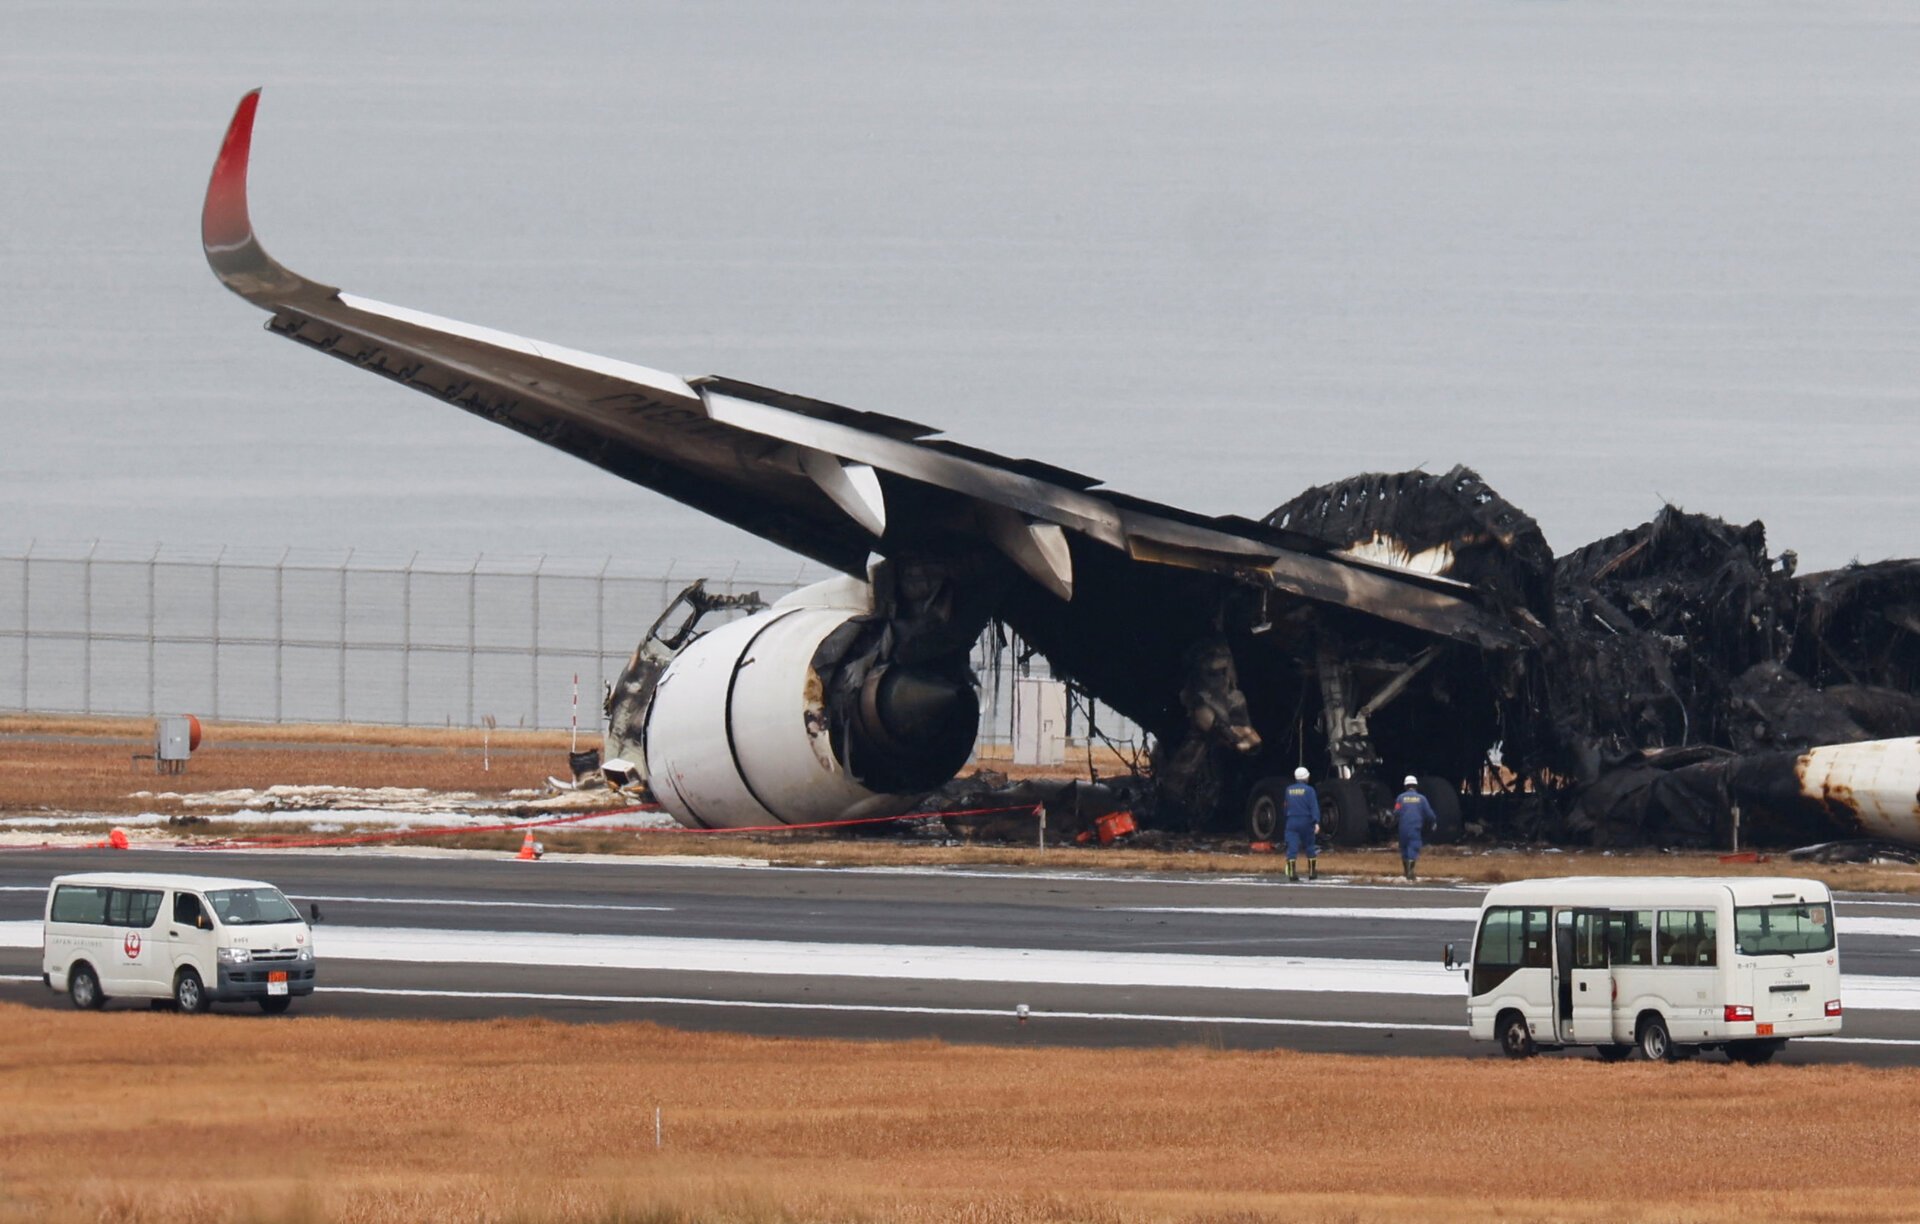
(1688, 937)
(1510, 938)
(74, 903)
(1630, 937)
(132, 907)
(186, 909)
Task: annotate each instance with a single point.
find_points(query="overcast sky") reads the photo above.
(1214, 254)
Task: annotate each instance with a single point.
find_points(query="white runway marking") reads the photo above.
(1451, 913)
(553, 905)
(888, 1009)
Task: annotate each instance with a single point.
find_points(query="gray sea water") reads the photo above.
(1609, 254)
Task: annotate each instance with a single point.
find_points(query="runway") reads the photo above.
(911, 953)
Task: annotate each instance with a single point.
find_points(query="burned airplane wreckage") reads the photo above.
(1647, 687)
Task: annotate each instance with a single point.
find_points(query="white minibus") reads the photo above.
(1665, 966)
(194, 940)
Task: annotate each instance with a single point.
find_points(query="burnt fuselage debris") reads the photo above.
(1662, 683)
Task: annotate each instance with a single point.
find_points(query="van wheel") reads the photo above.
(83, 987)
(1754, 1053)
(1613, 1053)
(1656, 1044)
(274, 1005)
(1515, 1040)
(188, 994)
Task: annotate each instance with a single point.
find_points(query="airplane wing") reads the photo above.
(832, 483)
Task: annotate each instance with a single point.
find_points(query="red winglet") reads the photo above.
(224, 223)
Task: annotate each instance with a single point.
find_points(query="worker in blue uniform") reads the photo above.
(1416, 817)
(1303, 825)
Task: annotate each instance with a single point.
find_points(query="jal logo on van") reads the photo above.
(132, 945)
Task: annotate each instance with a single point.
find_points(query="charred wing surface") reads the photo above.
(1383, 625)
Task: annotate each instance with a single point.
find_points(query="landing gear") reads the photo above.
(1266, 808)
(1344, 811)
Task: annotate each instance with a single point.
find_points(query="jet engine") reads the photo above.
(796, 714)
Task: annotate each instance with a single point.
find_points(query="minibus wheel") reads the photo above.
(1515, 1040)
(274, 1005)
(1656, 1044)
(188, 994)
(83, 987)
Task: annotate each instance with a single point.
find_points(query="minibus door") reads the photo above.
(1591, 979)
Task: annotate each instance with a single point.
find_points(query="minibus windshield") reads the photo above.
(1777, 930)
(251, 906)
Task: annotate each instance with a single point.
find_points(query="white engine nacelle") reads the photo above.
(742, 731)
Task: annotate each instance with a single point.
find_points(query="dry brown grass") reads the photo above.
(143, 1116)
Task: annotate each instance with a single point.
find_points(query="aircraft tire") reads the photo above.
(1344, 812)
(1444, 798)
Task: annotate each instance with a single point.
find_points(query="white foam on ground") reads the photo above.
(1040, 966)
(333, 820)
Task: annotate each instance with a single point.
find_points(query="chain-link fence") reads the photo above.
(292, 636)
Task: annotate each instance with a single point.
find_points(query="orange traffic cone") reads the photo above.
(529, 848)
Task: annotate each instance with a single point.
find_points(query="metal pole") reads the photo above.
(216, 629)
(471, 571)
(153, 564)
(600, 621)
(406, 641)
(343, 634)
(533, 670)
(280, 634)
(86, 646)
(26, 617)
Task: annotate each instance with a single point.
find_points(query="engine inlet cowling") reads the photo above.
(744, 731)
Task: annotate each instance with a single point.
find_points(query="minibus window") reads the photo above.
(251, 906)
(1777, 930)
(1510, 939)
(72, 903)
(1630, 937)
(1688, 937)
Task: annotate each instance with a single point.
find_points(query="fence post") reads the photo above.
(406, 641)
(343, 634)
(153, 625)
(86, 614)
(472, 659)
(600, 621)
(533, 655)
(215, 703)
(26, 619)
(280, 634)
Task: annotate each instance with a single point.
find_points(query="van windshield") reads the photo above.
(251, 906)
(1779, 930)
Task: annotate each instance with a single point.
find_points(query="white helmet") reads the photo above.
(1300, 774)
(1410, 780)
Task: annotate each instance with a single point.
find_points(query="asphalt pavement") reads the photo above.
(865, 953)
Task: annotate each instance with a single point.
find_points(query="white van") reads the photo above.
(197, 940)
(1665, 966)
